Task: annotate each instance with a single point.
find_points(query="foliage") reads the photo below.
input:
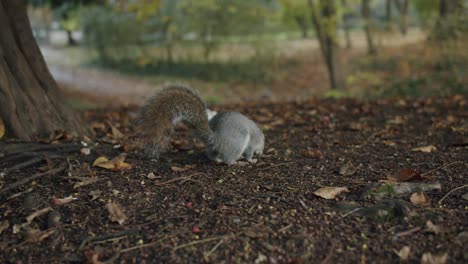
(115, 36)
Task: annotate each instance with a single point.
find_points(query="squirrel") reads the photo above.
(228, 136)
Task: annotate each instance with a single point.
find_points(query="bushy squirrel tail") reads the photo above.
(160, 112)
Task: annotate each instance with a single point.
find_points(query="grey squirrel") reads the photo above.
(228, 136)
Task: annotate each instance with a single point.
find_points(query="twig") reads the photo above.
(206, 240)
(23, 165)
(145, 245)
(207, 254)
(454, 190)
(179, 178)
(350, 212)
(329, 255)
(10, 149)
(442, 167)
(33, 177)
(408, 232)
(107, 237)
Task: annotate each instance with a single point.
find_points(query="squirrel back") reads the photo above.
(160, 112)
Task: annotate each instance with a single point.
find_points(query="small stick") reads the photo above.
(31, 178)
(441, 167)
(408, 232)
(107, 237)
(199, 242)
(269, 167)
(145, 245)
(214, 248)
(179, 178)
(454, 190)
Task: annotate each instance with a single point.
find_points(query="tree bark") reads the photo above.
(325, 24)
(30, 101)
(366, 15)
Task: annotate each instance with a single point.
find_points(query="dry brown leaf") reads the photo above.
(85, 181)
(421, 199)
(31, 217)
(115, 213)
(62, 201)
(85, 151)
(426, 149)
(389, 143)
(428, 258)
(432, 228)
(116, 134)
(403, 253)
(330, 192)
(405, 175)
(95, 194)
(116, 164)
(2, 128)
(180, 169)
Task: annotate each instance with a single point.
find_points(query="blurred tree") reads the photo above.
(402, 7)
(347, 14)
(368, 26)
(296, 11)
(30, 101)
(453, 19)
(211, 19)
(388, 14)
(325, 20)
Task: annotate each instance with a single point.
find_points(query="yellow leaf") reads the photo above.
(116, 164)
(330, 192)
(426, 149)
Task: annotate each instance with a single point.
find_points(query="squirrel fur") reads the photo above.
(228, 136)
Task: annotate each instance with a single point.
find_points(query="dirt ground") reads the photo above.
(187, 209)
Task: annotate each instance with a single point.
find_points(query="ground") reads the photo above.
(184, 208)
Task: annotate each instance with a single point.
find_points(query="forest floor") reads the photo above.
(402, 165)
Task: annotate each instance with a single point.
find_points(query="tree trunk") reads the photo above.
(71, 41)
(402, 6)
(388, 14)
(30, 102)
(302, 24)
(325, 24)
(452, 18)
(368, 27)
(346, 25)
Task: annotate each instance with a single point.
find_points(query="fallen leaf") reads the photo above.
(115, 164)
(421, 199)
(330, 192)
(85, 151)
(62, 201)
(348, 169)
(116, 134)
(312, 153)
(432, 228)
(180, 169)
(115, 213)
(4, 225)
(85, 181)
(428, 258)
(95, 194)
(426, 149)
(36, 235)
(404, 188)
(389, 143)
(31, 217)
(405, 175)
(151, 176)
(2, 128)
(403, 253)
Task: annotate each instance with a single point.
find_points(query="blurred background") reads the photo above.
(105, 51)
